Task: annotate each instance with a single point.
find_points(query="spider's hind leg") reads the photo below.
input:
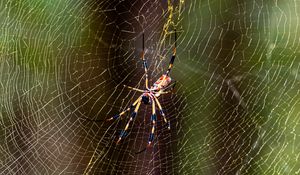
(168, 89)
(145, 65)
(173, 55)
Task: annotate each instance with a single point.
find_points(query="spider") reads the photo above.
(149, 96)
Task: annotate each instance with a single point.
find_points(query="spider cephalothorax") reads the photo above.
(150, 96)
(146, 98)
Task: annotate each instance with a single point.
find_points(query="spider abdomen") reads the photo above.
(162, 82)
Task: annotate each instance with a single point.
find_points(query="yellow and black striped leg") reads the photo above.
(162, 113)
(133, 115)
(145, 65)
(123, 112)
(135, 89)
(153, 121)
(173, 56)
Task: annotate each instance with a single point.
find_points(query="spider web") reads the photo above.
(235, 108)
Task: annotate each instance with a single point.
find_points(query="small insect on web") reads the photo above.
(164, 85)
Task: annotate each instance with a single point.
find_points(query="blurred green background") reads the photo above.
(235, 108)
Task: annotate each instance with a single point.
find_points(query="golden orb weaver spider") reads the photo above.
(150, 96)
(163, 85)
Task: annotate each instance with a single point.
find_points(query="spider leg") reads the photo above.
(170, 87)
(133, 114)
(145, 63)
(162, 112)
(153, 120)
(126, 110)
(163, 92)
(173, 56)
(135, 89)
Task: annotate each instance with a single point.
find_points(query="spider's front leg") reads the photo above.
(123, 112)
(162, 112)
(153, 120)
(133, 114)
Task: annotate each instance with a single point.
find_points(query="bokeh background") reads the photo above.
(235, 108)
